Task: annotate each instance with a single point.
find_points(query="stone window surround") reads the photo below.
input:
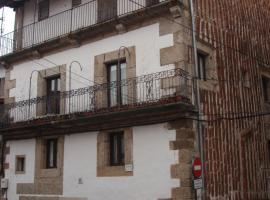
(42, 85)
(46, 181)
(211, 82)
(101, 76)
(100, 69)
(41, 146)
(16, 164)
(103, 161)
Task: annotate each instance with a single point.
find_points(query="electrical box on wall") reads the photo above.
(4, 183)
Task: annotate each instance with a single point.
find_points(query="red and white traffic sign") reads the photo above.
(197, 167)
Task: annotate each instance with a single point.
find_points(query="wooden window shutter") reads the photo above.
(107, 9)
(76, 3)
(43, 9)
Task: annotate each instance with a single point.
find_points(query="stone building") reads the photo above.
(98, 100)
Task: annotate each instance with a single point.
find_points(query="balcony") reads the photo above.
(157, 97)
(73, 21)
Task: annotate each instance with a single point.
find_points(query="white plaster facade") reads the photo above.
(151, 178)
(152, 156)
(146, 41)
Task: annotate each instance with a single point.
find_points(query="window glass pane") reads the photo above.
(115, 145)
(123, 71)
(201, 66)
(52, 85)
(113, 73)
(117, 148)
(51, 153)
(124, 88)
(58, 84)
(113, 85)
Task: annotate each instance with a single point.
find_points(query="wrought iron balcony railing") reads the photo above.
(70, 21)
(144, 91)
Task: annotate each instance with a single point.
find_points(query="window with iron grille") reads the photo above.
(53, 95)
(51, 153)
(117, 149)
(76, 3)
(117, 93)
(43, 9)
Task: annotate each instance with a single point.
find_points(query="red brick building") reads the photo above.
(236, 138)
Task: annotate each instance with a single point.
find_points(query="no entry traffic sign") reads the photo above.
(197, 167)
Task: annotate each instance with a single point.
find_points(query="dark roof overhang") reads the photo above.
(11, 3)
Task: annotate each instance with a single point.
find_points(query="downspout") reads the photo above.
(196, 90)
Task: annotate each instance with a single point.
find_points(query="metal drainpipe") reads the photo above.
(196, 90)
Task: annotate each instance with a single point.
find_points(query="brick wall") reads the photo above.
(236, 151)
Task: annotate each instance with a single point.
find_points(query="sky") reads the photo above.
(9, 18)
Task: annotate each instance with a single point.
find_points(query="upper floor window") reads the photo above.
(51, 153)
(76, 3)
(202, 66)
(117, 149)
(266, 88)
(117, 93)
(43, 9)
(53, 95)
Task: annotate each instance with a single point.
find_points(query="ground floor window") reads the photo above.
(20, 164)
(114, 153)
(51, 153)
(117, 148)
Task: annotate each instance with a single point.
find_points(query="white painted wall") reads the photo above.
(23, 147)
(152, 160)
(151, 156)
(146, 41)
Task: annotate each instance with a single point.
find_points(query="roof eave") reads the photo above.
(11, 3)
